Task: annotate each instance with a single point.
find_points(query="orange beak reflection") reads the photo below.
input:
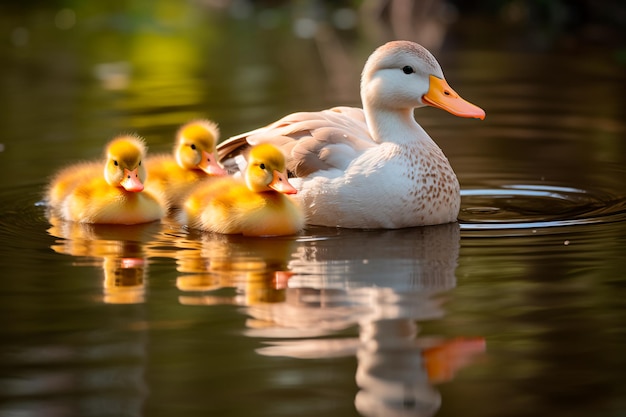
(442, 96)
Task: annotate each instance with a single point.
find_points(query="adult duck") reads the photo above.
(87, 193)
(193, 160)
(255, 205)
(374, 167)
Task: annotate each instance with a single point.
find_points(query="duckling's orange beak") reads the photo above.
(131, 181)
(209, 164)
(442, 96)
(132, 262)
(281, 184)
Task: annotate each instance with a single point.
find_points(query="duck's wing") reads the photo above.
(311, 141)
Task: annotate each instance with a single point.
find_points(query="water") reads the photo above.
(516, 310)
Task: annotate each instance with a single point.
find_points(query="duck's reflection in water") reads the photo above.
(397, 370)
(383, 282)
(119, 250)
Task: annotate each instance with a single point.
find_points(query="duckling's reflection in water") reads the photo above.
(384, 282)
(255, 267)
(117, 249)
(102, 365)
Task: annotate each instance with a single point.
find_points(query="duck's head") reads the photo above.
(405, 75)
(266, 170)
(123, 167)
(195, 147)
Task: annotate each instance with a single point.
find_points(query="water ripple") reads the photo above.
(22, 218)
(520, 207)
(532, 206)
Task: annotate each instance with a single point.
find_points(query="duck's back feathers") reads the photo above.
(311, 141)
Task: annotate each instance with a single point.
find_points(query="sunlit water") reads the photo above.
(516, 310)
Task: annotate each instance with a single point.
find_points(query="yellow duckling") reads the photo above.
(81, 193)
(254, 207)
(194, 160)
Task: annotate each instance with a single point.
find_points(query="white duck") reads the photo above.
(374, 167)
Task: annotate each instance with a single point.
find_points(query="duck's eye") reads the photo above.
(139, 163)
(193, 146)
(115, 163)
(262, 166)
(408, 69)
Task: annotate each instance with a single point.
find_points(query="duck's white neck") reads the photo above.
(394, 125)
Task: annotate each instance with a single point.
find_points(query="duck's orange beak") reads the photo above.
(209, 164)
(444, 360)
(281, 184)
(131, 181)
(442, 96)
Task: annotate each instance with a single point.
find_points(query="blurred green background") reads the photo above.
(75, 73)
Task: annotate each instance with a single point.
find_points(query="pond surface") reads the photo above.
(516, 310)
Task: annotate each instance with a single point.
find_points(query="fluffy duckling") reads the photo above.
(255, 206)
(81, 193)
(194, 160)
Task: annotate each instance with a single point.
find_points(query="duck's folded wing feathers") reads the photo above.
(311, 141)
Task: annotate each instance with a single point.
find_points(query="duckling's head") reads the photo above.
(123, 166)
(195, 147)
(266, 170)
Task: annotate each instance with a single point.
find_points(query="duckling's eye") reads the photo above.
(193, 146)
(139, 163)
(115, 163)
(408, 69)
(262, 166)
